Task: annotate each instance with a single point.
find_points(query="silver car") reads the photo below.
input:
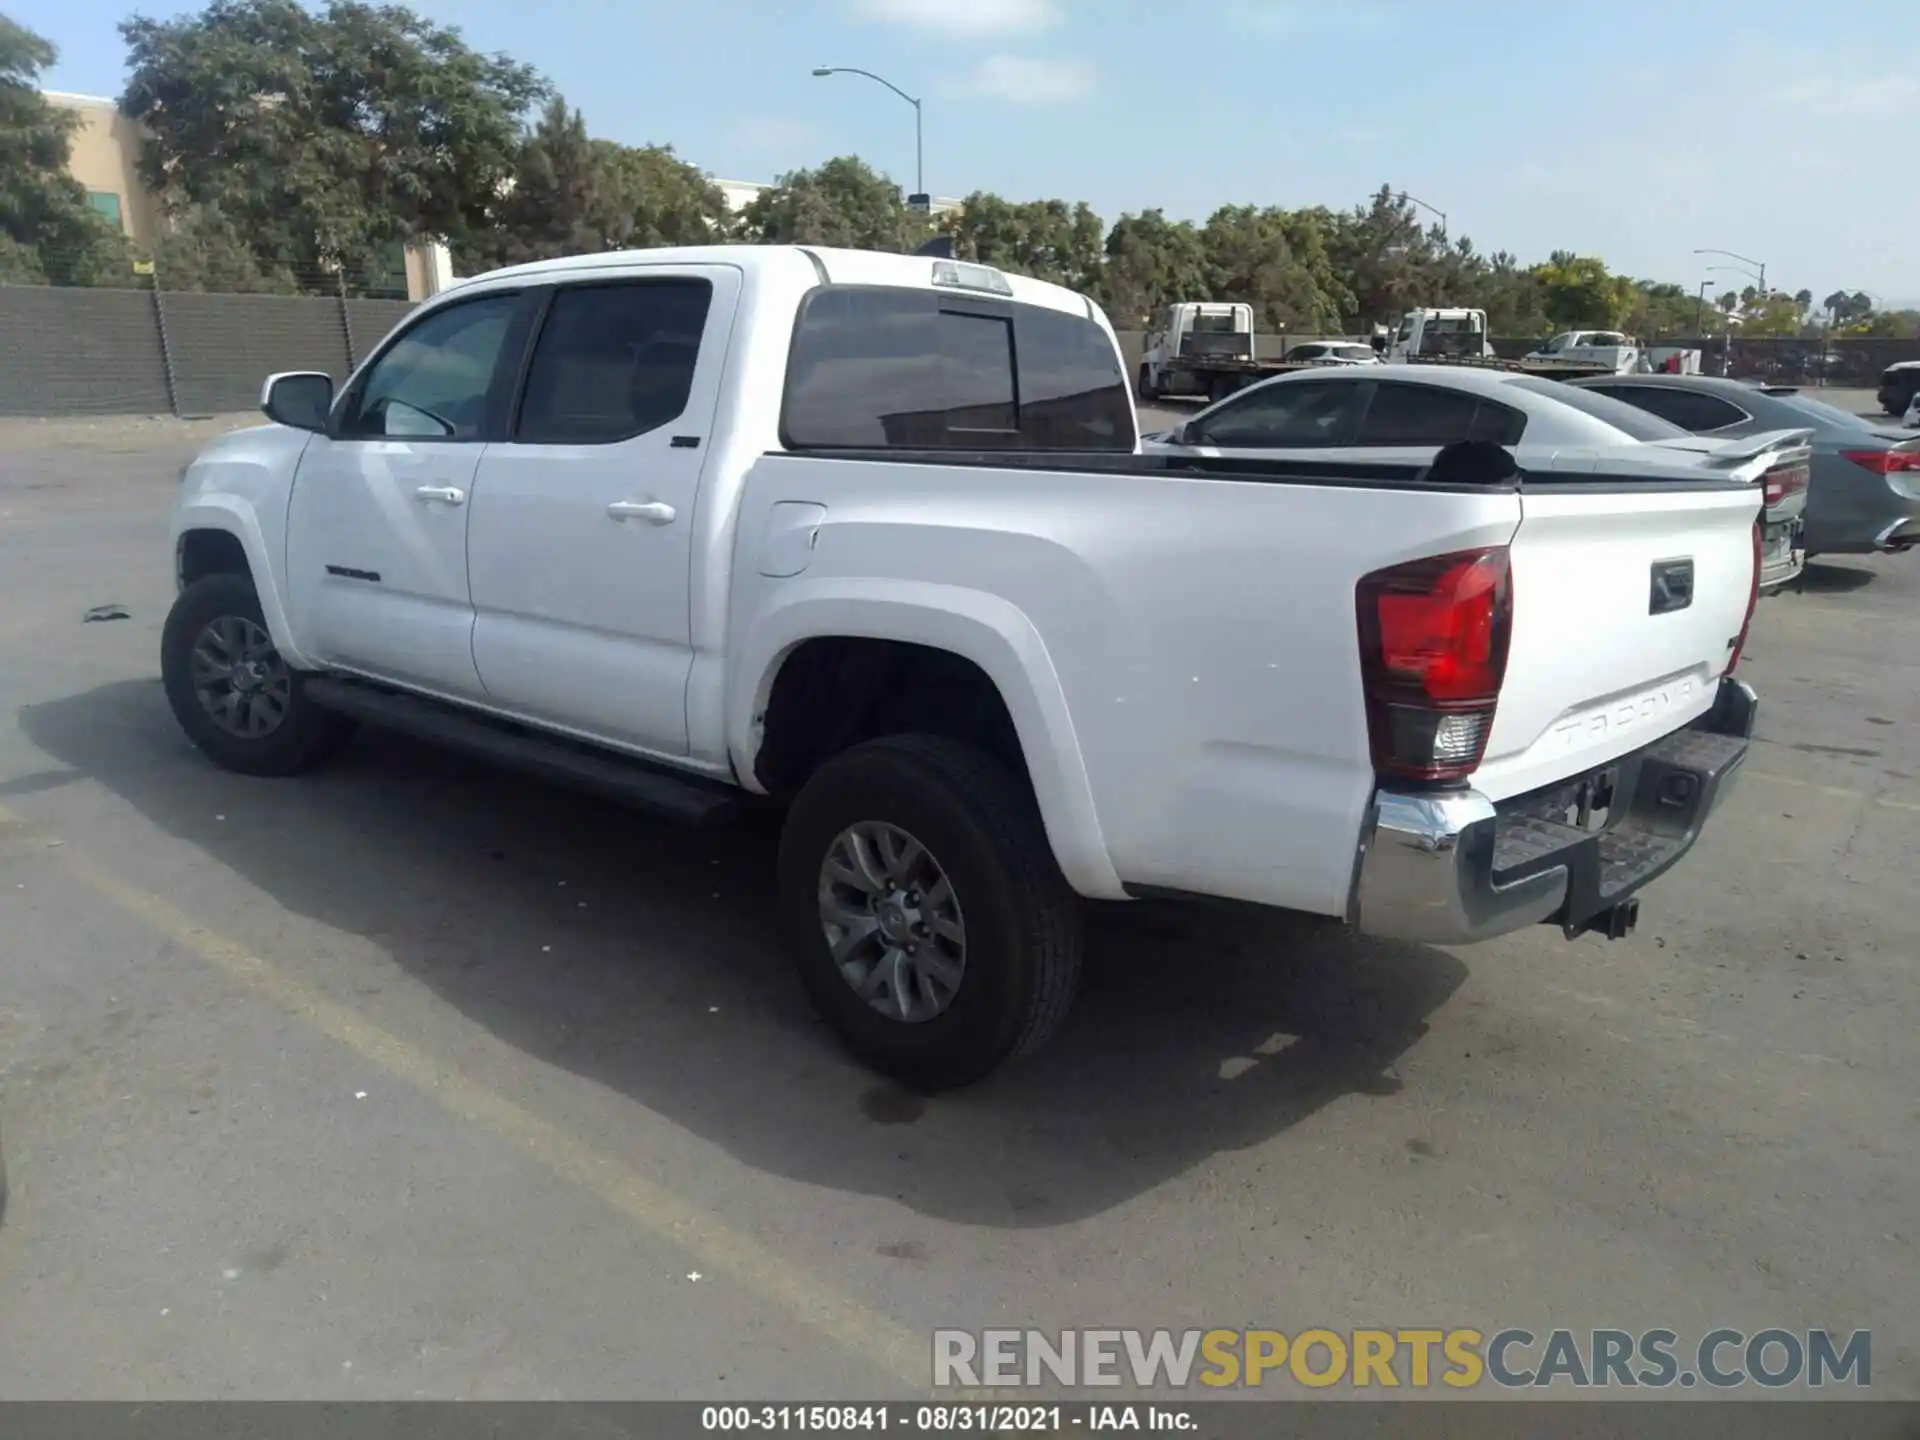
(1331, 352)
(1865, 485)
(1405, 415)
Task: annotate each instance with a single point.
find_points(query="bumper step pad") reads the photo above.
(1661, 797)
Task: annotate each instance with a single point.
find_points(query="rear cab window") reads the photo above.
(895, 367)
(1691, 410)
(1434, 415)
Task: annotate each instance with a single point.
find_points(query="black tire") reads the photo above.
(1143, 387)
(1022, 921)
(305, 734)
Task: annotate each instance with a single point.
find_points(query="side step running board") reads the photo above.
(686, 798)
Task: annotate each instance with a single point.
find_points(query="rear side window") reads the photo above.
(1309, 414)
(1634, 423)
(1688, 409)
(613, 361)
(877, 367)
(1825, 414)
(1433, 415)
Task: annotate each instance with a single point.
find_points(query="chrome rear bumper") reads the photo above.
(1453, 867)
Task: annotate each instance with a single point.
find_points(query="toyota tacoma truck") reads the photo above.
(871, 538)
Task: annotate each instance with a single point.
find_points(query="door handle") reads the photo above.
(654, 512)
(447, 494)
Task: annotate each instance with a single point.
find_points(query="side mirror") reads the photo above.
(299, 398)
(1181, 434)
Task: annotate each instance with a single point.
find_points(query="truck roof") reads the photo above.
(840, 266)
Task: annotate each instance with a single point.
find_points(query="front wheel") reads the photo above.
(238, 700)
(1144, 387)
(928, 919)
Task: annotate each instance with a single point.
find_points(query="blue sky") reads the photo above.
(1630, 129)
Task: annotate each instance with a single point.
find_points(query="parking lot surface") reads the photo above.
(413, 1079)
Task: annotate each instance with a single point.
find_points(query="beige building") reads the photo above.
(105, 157)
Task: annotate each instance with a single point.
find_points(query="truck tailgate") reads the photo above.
(1628, 598)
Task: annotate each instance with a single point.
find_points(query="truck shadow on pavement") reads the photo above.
(642, 956)
(1823, 577)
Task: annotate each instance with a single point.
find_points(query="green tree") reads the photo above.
(1047, 239)
(1774, 314)
(646, 195)
(1276, 261)
(1578, 293)
(1848, 309)
(201, 249)
(546, 206)
(1892, 324)
(844, 202)
(1659, 308)
(325, 136)
(1511, 295)
(1151, 262)
(48, 235)
(1384, 258)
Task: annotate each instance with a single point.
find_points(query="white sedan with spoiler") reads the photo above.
(1366, 417)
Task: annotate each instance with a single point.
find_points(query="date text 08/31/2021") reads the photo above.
(948, 1419)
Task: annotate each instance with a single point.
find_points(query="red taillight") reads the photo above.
(1884, 462)
(1753, 599)
(1787, 480)
(1433, 651)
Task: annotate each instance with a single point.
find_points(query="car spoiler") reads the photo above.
(1733, 454)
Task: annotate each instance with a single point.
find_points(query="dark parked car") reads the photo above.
(1898, 383)
(1864, 495)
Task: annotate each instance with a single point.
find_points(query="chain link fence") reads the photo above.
(147, 343)
(140, 346)
(1848, 362)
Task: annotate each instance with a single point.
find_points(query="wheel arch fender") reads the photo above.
(233, 515)
(985, 629)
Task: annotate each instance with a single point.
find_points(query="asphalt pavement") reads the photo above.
(414, 1079)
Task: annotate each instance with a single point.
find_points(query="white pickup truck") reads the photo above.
(1617, 351)
(871, 536)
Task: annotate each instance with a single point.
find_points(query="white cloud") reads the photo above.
(967, 19)
(1853, 98)
(1027, 80)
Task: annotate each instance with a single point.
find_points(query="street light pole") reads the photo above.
(919, 149)
(1405, 198)
(1762, 277)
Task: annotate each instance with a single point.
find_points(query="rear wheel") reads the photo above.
(928, 920)
(238, 700)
